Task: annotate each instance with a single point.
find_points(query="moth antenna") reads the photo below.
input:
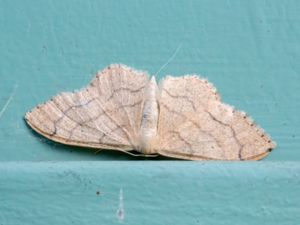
(169, 60)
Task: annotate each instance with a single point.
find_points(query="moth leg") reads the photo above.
(98, 150)
(140, 155)
(129, 153)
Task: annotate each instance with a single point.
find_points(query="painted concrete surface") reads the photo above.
(151, 193)
(249, 49)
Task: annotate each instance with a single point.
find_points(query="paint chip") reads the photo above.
(121, 211)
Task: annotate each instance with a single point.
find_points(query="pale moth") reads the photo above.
(122, 109)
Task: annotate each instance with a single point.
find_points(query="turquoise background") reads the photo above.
(250, 50)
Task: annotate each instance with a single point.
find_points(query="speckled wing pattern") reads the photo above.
(194, 124)
(106, 114)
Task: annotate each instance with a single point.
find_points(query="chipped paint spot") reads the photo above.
(121, 211)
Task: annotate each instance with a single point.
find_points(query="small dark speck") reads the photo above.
(293, 136)
(98, 193)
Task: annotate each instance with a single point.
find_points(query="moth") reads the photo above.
(122, 109)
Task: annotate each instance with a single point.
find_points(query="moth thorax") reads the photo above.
(149, 121)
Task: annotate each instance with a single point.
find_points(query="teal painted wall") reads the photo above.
(249, 49)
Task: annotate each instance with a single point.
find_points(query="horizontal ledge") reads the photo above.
(286, 168)
(187, 192)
